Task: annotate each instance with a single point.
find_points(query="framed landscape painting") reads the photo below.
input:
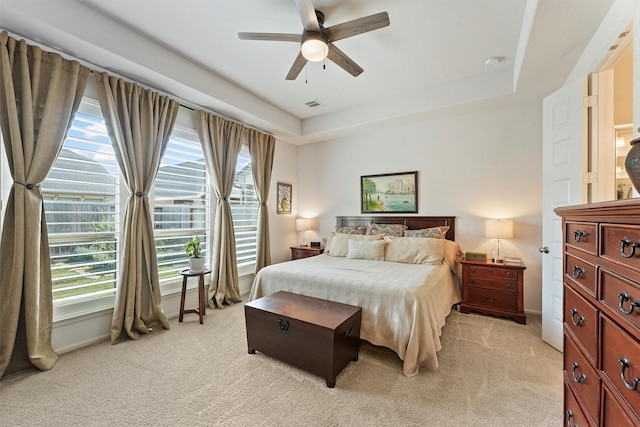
(389, 193)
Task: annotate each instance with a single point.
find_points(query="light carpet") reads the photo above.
(493, 372)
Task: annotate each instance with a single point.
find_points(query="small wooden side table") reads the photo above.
(201, 311)
(298, 252)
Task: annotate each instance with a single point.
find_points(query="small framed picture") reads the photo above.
(284, 198)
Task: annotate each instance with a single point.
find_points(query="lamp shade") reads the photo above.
(304, 224)
(499, 228)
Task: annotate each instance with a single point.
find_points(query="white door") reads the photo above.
(564, 155)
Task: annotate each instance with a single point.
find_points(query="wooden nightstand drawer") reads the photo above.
(492, 272)
(500, 285)
(486, 298)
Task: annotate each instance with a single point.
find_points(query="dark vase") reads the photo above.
(632, 163)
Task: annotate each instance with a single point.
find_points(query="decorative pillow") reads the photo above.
(351, 229)
(414, 250)
(386, 229)
(340, 243)
(435, 232)
(452, 254)
(363, 249)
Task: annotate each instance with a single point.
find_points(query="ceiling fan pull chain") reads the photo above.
(306, 74)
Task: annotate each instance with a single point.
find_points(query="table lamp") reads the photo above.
(498, 229)
(305, 224)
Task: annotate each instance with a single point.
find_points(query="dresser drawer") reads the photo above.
(582, 377)
(612, 412)
(581, 318)
(487, 298)
(621, 361)
(581, 272)
(621, 244)
(622, 295)
(581, 235)
(501, 285)
(573, 415)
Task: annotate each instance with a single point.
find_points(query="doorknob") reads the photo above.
(544, 250)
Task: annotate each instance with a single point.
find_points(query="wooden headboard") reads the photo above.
(412, 222)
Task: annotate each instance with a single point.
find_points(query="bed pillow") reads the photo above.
(326, 243)
(364, 249)
(386, 229)
(351, 229)
(435, 232)
(414, 250)
(340, 243)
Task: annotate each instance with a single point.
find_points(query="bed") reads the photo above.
(404, 304)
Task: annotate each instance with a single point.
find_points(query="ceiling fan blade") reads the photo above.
(278, 37)
(297, 66)
(308, 15)
(343, 61)
(357, 26)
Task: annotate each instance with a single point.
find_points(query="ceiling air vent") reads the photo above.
(313, 104)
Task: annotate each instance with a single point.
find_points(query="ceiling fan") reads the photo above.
(316, 41)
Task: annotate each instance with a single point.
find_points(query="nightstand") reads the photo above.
(298, 252)
(493, 288)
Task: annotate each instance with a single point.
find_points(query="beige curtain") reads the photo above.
(221, 142)
(262, 148)
(139, 122)
(39, 95)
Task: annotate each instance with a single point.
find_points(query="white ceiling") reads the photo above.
(430, 58)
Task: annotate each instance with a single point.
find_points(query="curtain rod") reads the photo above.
(94, 67)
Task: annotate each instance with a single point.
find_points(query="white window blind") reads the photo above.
(181, 202)
(244, 210)
(81, 201)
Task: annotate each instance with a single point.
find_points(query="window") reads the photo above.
(244, 210)
(81, 201)
(181, 201)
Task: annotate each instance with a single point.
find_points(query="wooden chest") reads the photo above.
(319, 336)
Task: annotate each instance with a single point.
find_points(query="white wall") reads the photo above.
(486, 164)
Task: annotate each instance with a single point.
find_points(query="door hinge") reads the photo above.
(590, 177)
(590, 101)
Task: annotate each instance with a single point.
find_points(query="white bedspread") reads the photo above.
(404, 306)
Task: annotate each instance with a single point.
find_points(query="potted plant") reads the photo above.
(193, 249)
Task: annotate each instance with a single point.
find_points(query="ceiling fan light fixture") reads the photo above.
(314, 48)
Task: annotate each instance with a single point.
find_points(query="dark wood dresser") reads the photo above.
(602, 313)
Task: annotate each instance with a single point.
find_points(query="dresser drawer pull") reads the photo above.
(569, 416)
(578, 235)
(625, 364)
(509, 274)
(579, 321)
(348, 333)
(624, 297)
(491, 299)
(577, 271)
(626, 242)
(580, 378)
(284, 325)
(509, 285)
